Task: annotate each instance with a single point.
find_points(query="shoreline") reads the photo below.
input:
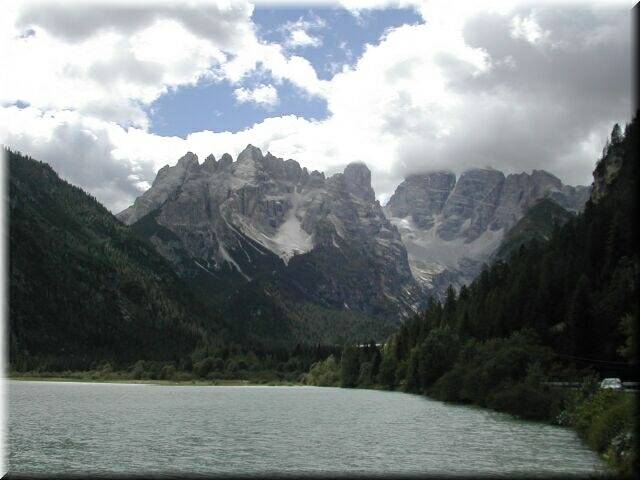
(610, 468)
(172, 383)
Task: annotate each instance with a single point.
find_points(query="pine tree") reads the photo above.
(350, 367)
(579, 318)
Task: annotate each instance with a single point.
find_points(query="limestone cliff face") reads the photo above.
(450, 227)
(607, 168)
(422, 197)
(324, 238)
(328, 240)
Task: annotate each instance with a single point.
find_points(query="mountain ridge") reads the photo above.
(84, 290)
(262, 215)
(253, 215)
(452, 225)
(538, 224)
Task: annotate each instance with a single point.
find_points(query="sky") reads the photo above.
(110, 91)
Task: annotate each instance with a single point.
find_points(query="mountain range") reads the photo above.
(327, 240)
(257, 251)
(451, 226)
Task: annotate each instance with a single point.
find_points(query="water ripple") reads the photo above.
(72, 428)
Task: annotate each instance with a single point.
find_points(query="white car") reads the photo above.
(612, 383)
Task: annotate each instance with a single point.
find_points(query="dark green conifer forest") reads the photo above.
(83, 290)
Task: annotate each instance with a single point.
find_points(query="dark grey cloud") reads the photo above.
(85, 159)
(75, 21)
(540, 102)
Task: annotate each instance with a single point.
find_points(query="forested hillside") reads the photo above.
(538, 223)
(83, 289)
(575, 294)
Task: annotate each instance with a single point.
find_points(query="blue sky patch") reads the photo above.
(213, 106)
(344, 36)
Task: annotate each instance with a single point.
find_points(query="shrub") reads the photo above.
(436, 355)
(106, 371)
(612, 422)
(350, 367)
(231, 366)
(623, 453)
(502, 373)
(168, 372)
(523, 399)
(447, 387)
(606, 420)
(139, 372)
(324, 374)
(585, 413)
(366, 373)
(387, 371)
(203, 367)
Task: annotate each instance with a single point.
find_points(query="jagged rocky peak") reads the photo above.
(250, 153)
(161, 174)
(278, 168)
(225, 160)
(358, 174)
(471, 205)
(261, 211)
(188, 160)
(316, 179)
(176, 173)
(483, 179)
(480, 198)
(269, 166)
(450, 226)
(422, 196)
(210, 163)
(357, 177)
(167, 182)
(545, 180)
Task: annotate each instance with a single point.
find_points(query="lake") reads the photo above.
(100, 428)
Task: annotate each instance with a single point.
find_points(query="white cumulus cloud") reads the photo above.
(300, 38)
(297, 34)
(265, 95)
(527, 28)
(510, 86)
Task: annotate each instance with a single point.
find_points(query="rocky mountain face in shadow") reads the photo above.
(538, 223)
(451, 226)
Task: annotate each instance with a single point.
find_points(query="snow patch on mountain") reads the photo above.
(291, 239)
(429, 255)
